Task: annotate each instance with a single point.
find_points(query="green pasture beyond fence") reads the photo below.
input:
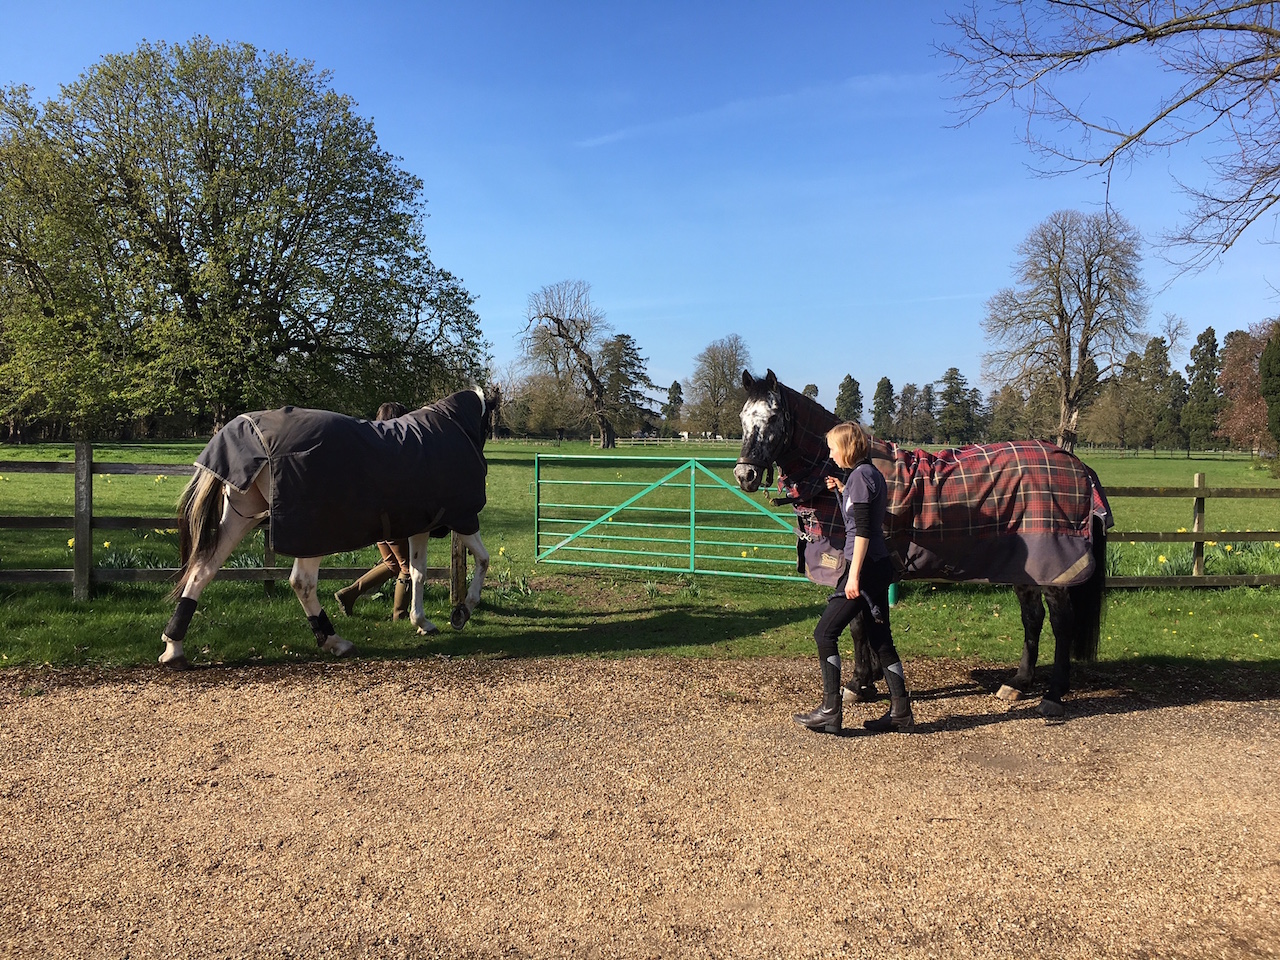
(679, 515)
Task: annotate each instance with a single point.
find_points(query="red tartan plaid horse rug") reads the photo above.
(1019, 512)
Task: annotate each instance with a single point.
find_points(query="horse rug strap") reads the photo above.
(340, 483)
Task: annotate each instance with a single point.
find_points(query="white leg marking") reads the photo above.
(304, 579)
(418, 574)
(238, 518)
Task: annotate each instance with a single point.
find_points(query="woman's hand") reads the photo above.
(851, 590)
(833, 483)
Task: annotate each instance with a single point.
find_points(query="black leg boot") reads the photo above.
(828, 717)
(899, 718)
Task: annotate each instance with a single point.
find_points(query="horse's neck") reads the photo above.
(806, 449)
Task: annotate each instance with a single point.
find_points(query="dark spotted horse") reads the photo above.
(330, 483)
(1024, 513)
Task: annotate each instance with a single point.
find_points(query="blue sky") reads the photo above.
(789, 173)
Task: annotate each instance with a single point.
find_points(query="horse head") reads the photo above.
(766, 429)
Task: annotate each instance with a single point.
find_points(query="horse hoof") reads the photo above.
(1051, 709)
(864, 694)
(430, 630)
(177, 664)
(458, 619)
(338, 646)
(1007, 692)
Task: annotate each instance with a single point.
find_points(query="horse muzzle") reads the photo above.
(749, 475)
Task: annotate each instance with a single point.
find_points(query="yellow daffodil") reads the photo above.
(71, 542)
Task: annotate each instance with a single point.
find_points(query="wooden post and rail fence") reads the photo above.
(83, 575)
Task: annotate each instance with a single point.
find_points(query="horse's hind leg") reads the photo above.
(866, 666)
(240, 514)
(1062, 618)
(1032, 625)
(304, 578)
(462, 612)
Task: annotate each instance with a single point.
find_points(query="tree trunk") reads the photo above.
(1067, 423)
(608, 436)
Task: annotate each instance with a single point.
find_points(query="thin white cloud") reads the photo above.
(869, 88)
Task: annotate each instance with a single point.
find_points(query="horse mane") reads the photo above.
(810, 422)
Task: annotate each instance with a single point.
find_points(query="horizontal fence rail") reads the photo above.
(681, 515)
(1198, 535)
(83, 575)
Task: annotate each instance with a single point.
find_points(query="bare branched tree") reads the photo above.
(564, 327)
(1078, 313)
(714, 390)
(1221, 59)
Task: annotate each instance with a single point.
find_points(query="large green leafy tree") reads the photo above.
(220, 230)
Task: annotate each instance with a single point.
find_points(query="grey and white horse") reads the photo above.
(330, 483)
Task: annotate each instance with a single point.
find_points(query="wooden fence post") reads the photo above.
(1197, 526)
(81, 577)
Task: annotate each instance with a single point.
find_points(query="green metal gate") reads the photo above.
(666, 514)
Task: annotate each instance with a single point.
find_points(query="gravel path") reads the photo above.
(624, 808)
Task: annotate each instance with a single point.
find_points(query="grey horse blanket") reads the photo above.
(1019, 512)
(339, 483)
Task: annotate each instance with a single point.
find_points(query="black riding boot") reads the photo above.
(828, 717)
(899, 717)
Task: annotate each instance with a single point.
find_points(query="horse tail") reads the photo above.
(1087, 599)
(199, 515)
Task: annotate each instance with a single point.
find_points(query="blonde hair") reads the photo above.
(850, 440)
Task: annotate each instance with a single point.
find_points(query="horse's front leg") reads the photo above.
(418, 575)
(462, 612)
(304, 578)
(1032, 624)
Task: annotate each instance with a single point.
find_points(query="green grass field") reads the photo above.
(534, 609)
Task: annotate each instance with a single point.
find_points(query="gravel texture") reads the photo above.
(625, 808)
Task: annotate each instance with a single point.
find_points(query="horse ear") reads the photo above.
(770, 380)
(747, 380)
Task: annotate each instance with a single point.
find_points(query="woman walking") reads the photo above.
(863, 590)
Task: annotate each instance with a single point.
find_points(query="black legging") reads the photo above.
(873, 586)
